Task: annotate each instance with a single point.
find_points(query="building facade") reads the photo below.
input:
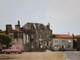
(16, 35)
(37, 36)
(62, 42)
(32, 36)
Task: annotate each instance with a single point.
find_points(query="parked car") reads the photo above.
(0, 50)
(12, 50)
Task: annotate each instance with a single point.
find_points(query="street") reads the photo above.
(48, 55)
(34, 56)
(72, 55)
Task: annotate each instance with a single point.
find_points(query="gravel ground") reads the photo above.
(34, 56)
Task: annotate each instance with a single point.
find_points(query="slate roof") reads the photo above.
(34, 25)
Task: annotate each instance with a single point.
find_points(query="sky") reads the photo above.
(63, 15)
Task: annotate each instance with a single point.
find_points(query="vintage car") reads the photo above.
(0, 50)
(12, 50)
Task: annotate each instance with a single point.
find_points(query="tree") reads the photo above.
(5, 39)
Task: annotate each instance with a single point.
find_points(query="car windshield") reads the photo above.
(12, 48)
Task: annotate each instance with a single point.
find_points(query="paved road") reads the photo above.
(34, 56)
(72, 55)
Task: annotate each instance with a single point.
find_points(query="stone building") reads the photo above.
(17, 35)
(62, 42)
(37, 36)
(32, 36)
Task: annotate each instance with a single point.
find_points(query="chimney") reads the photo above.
(17, 27)
(18, 22)
(68, 33)
(8, 28)
(72, 34)
(48, 26)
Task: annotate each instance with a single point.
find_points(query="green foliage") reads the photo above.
(5, 39)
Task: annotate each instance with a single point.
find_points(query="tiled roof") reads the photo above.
(11, 31)
(78, 36)
(75, 37)
(15, 31)
(61, 36)
(2, 31)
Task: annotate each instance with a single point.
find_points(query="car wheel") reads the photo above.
(17, 52)
(4, 52)
(8, 52)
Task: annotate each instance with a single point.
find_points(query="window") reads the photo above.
(63, 46)
(40, 36)
(63, 40)
(47, 43)
(32, 44)
(47, 36)
(56, 40)
(40, 44)
(69, 46)
(56, 46)
(15, 35)
(32, 36)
